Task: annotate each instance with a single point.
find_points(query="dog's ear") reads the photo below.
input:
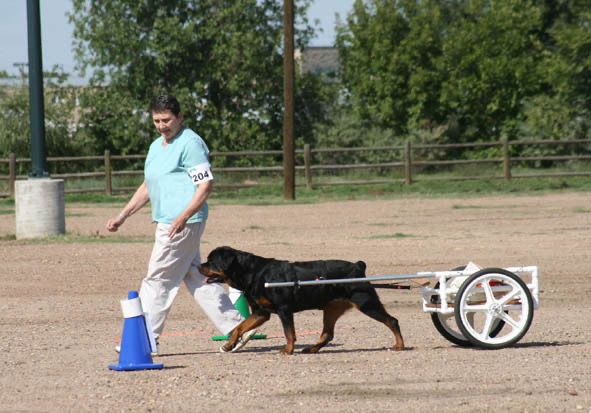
(240, 258)
(235, 271)
(225, 259)
(233, 262)
(248, 266)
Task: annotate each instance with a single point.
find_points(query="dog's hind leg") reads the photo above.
(370, 305)
(332, 312)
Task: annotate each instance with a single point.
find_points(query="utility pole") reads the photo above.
(289, 101)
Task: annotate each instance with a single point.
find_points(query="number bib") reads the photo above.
(200, 173)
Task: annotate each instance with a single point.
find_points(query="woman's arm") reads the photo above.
(140, 198)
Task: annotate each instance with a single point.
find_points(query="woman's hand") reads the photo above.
(114, 223)
(177, 226)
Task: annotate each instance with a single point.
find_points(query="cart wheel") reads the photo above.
(490, 295)
(446, 325)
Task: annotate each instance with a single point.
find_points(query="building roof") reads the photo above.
(319, 59)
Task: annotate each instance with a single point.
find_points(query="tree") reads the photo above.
(492, 59)
(374, 72)
(460, 68)
(60, 112)
(221, 58)
(562, 109)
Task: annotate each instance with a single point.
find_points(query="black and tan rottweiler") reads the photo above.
(249, 273)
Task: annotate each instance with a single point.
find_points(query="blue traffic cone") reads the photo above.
(135, 351)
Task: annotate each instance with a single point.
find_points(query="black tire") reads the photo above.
(494, 341)
(448, 333)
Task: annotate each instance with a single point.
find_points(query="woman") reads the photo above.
(177, 183)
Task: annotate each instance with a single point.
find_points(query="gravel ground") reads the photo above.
(61, 317)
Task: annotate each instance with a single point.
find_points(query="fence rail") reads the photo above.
(410, 160)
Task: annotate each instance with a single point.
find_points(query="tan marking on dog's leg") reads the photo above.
(332, 312)
(380, 314)
(399, 343)
(252, 322)
(395, 328)
(291, 339)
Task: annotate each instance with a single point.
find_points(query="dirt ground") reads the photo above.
(61, 317)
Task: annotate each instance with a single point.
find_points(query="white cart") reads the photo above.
(490, 308)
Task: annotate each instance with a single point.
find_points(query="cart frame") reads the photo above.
(492, 308)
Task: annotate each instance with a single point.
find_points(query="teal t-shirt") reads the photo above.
(167, 173)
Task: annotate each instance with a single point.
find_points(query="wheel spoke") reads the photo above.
(488, 291)
(509, 320)
(509, 296)
(486, 329)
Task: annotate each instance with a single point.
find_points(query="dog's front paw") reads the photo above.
(310, 350)
(286, 351)
(226, 348)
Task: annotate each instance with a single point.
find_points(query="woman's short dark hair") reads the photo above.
(162, 103)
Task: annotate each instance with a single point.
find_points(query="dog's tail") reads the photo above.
(361, 265)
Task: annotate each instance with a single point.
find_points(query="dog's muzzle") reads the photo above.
(212, 276)
(213, 280)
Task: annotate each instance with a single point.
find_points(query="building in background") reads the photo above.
(318, 60)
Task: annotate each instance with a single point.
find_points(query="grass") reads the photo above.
(389, 236)
(95, 198)
(75, 238)
(272, 195)
(253, 228)
(270, 190)
(457, 206)
(467, 207)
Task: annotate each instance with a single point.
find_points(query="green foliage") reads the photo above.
(60, 115)
(345, 131)
(492, 59)
(429, 71)
(221, 58)
(441, 71)
(113, 119)
(317, 99)
(374, 71)
(563, 110)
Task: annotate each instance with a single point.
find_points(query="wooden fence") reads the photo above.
(410, 159)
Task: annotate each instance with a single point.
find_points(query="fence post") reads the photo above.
(506, 160)
(108, 182)
(11, 174)
(407, 163)
(307, 165)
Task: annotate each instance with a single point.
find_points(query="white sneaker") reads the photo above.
(240, 343)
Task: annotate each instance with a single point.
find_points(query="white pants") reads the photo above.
(176, 260)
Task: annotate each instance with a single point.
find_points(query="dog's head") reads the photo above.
(222, 266)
